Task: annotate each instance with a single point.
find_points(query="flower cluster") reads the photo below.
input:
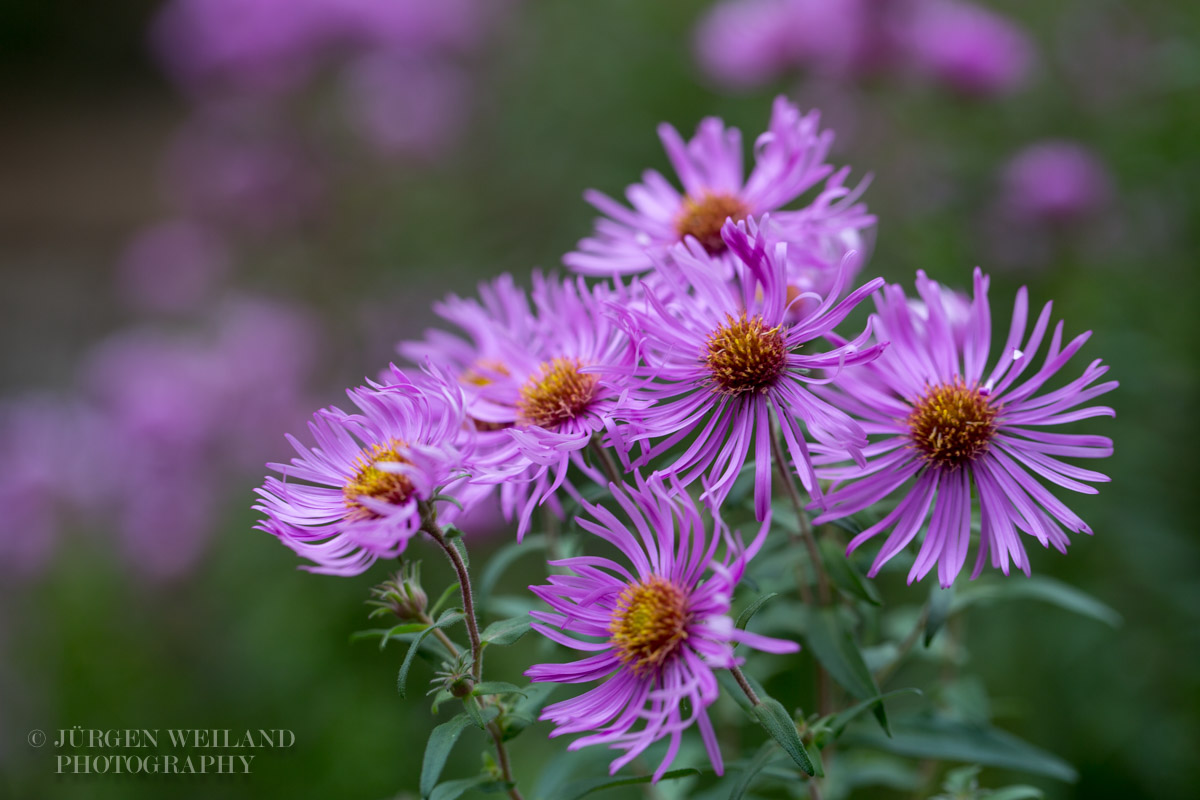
(707, 351)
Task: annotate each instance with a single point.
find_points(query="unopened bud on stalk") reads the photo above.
(401, 594)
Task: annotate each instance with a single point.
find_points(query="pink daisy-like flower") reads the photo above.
(363, 483)
(532, 383)
(655, 631)
(789, 160)
(936, 416)
(716, 365)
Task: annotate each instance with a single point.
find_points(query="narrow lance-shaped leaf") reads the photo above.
(1041, 588)
(771, 714)
(836, 650)
(526, 710)
(496, 687)
(506, 631)
(447, 619)
(437, 749)
(452, 790)
(946, 739)
(756, 765)
(752, 609)
(845, 575)
(581, 789)
(941, 601)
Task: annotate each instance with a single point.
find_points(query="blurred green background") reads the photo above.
(566, 97)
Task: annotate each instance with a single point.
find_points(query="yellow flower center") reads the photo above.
(953, 424)
(556, 393)
(371, 481)
(744, 355)
(649, 623)
(705, 217)
(484, 372)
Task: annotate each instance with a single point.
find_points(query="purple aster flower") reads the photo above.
(1054, 182)
(501, 315)
(655, 630)
(939, 419)
(967, 47)
(716, 365)
(789, 160)
(362, 484)
(541, 399)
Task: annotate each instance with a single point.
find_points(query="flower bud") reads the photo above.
(401, 594)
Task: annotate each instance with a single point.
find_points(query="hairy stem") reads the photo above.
(436, 533)
(745, 684)
(430, 526)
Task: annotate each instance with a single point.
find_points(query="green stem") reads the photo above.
(805, 530)
(606, 461)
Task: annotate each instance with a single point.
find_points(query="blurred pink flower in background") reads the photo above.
(49, 446)
(188, 413)
(275, 46)
(243, 176)
(968, 48)
(172, 266)
(1054, 182)
(402, 106)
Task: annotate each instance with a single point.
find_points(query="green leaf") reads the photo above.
(446, 594)
(454, 536)
(771, 714)
(941, 601)
(1019, 792)
(437, 749)
(506, 631)
(447, 619)
(836, 650)
(838, 722)
(439, 698)
(753, 608)
(947, 739)
(384, 636)
(526, 710)
(580, 789)
(451, 790)
(845, 575)
(501, 560)
(756, 765)
(475, 711)
(1037, 587)
(496, 687)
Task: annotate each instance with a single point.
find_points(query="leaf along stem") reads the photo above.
(429, 525)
